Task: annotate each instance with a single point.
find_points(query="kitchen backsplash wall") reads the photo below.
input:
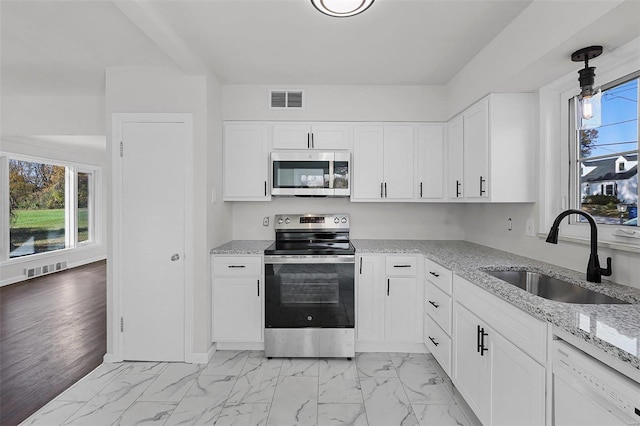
(487, 224)
(411, 221)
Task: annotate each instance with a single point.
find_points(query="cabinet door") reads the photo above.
(398, 163)
(370, 307)
(517, 385)
(246, 162)
(455, 163)
(329, 137)
(400, 309)
(470, 369)
(431, 161)
(368, 163)
(237, 309)
(291, 136)
(476, 151)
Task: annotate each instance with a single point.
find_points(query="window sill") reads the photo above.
(613, 245)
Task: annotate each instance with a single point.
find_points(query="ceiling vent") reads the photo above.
(286, 99)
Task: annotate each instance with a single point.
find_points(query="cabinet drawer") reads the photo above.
(237, 266)
(438, 305)
(439, 343)
(401, 266)
(439, 275)
(520, 328)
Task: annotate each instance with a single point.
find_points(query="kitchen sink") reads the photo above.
(553, 288)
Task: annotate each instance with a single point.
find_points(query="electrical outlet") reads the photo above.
(265, 221)
(531, 229)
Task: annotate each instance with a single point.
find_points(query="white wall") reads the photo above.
(71, 115)
(138, 89)
(486, 224)
(12, 271)
(410, 221)
(339, 103)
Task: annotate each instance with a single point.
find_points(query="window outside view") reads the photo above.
(36, 208)
(84, 183)
(608, 159)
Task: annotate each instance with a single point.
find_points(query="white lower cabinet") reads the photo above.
(502, 384)
(237, 299)
(437, 310)
(388, 299)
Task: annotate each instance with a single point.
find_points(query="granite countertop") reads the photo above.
(615, 329)
(242, 247)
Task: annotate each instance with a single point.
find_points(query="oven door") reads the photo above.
(309, 291)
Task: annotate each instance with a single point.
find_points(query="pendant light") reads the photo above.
(588, 101)
(341, 8)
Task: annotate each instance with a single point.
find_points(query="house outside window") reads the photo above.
(51, 206)
(606, 158)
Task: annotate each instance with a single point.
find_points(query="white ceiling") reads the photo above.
(57, 47)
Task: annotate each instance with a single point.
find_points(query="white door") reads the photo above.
(400, 309)
(455, 131)
(517, 385)
(246, 162)
(430, 153)
(329, 136)
(398, 162)
(476, 150)
(368, 163)
(369, 309)
(153, 241)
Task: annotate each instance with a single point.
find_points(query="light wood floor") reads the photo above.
(52, 333)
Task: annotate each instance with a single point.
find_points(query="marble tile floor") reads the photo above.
(245, 388)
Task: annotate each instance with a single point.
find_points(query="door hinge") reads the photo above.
(121, 325)
(121, 148)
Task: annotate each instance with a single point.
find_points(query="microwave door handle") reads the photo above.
(331, 169)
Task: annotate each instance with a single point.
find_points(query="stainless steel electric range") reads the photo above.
(309, 287)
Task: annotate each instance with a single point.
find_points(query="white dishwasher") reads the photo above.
(587, 392)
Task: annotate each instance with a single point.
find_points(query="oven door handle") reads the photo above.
(309, 259)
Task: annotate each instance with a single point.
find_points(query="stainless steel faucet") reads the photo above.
(594, 271)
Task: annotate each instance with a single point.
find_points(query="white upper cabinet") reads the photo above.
(383, 159)
(246, 162)
(491, 150)
(320, 136)
(430, 162)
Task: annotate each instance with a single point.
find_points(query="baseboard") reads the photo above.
(110, 358)
(240, 346)
(404, 347)
(202, 357)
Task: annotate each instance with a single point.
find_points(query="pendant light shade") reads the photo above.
(341, 8)
(588, 101)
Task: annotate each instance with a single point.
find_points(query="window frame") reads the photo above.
(71, 208)
(622, 64)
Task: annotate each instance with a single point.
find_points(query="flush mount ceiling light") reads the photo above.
(341, 8)
(588, 101)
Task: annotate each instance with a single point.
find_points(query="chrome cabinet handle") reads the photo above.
(381, 193)
(313, 145)
(265, 188)
(385, 190)
(481, 335)
(236, 266)
(258, 288)
(360, 266)
(458, 193)
(402, 266)
(308, 140)
(420, 189)
(433, 341)
(435, 305)
(175, 257)
(388, 284)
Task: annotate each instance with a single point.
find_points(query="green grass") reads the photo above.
(46, 227)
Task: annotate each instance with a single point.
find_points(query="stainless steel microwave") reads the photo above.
(308, 173)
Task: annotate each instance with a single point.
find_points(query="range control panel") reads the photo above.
(311, 221)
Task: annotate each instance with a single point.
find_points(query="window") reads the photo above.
(606, 158)
(51, 206)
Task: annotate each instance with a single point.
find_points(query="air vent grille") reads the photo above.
(286, 99)
(45, 269)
